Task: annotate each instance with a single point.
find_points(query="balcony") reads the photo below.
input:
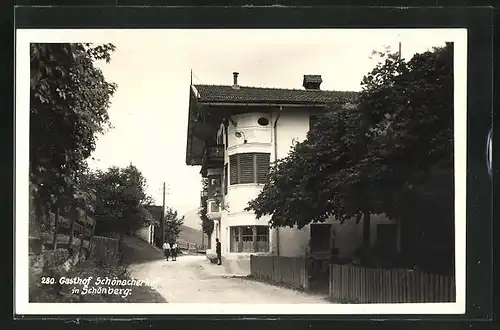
(213, 157)
(213, 209)
(203, 198)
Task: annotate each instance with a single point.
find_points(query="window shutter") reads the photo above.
(233, 169)
(246, 164)
(263, 164)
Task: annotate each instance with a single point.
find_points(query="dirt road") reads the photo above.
(192, 279)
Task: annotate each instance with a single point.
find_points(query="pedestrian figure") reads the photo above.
(218, 251)
(166, 250)
(174, 251)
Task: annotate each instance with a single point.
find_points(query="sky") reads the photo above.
(152, 69)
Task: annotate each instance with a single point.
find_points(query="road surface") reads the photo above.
(192, 279)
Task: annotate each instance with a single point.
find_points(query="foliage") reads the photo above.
(306, 185)
(122, 202)
(207, 225)
(172, 225)
(390, 153)
(69, 99)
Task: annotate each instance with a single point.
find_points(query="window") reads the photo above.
(262, 244)
(263, 121)
(312, 121)
(249, 168)
(320, 237)
(249, 239)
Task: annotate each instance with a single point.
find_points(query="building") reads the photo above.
(146, 233)
(150, 232)
(235, 133)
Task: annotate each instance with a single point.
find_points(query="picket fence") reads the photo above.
(291, 271)
(353, 284)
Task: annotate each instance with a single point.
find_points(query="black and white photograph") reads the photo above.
(241, 171)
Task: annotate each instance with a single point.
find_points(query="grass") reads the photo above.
(64, 293)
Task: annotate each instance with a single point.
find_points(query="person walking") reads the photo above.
(218, 251)
(166, 250)
(174, 251)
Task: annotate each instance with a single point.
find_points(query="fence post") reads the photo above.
(306, 274)
(56, 224)
(74, 215)
(350, 283)
(432, 287)
(252, 265)
(452, 289)
(373, 286)
(387, 285)
(392, 286)
(82, 235)
(330, 283)
(91, 238)
(343, 288)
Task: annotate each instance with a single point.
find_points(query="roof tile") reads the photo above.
(218, 93)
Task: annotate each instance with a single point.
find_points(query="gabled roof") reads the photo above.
(243, 94)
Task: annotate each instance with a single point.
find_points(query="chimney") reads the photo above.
(235, 80)
(312, 81)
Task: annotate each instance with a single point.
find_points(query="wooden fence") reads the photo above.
(285, 270)
(105, 250)
(353, 284)
(188, 246)
(72, 230)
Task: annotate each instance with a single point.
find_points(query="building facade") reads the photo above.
(236, 133)
(146, 233)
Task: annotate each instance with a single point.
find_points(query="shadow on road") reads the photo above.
(136, 251)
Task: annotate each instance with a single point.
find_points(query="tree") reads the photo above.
(69, 100)
(307, 185)
(415, 150)
(389, 153)
(122, 202)
(172, 225)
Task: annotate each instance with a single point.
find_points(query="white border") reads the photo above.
(22, 305)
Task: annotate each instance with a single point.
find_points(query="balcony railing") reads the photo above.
(213, 156)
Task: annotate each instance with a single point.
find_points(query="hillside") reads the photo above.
(192, 219)
(190, 235)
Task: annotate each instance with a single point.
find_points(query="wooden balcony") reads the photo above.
(203, 198)
(213, 156)
(213, 209)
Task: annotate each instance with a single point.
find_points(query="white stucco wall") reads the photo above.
(292, 126)
(144, 233)
(348, 236)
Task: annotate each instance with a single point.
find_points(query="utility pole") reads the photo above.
(400, 50)
(162, 223)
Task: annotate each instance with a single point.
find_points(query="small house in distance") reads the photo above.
(149, 233)
(235, 133)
